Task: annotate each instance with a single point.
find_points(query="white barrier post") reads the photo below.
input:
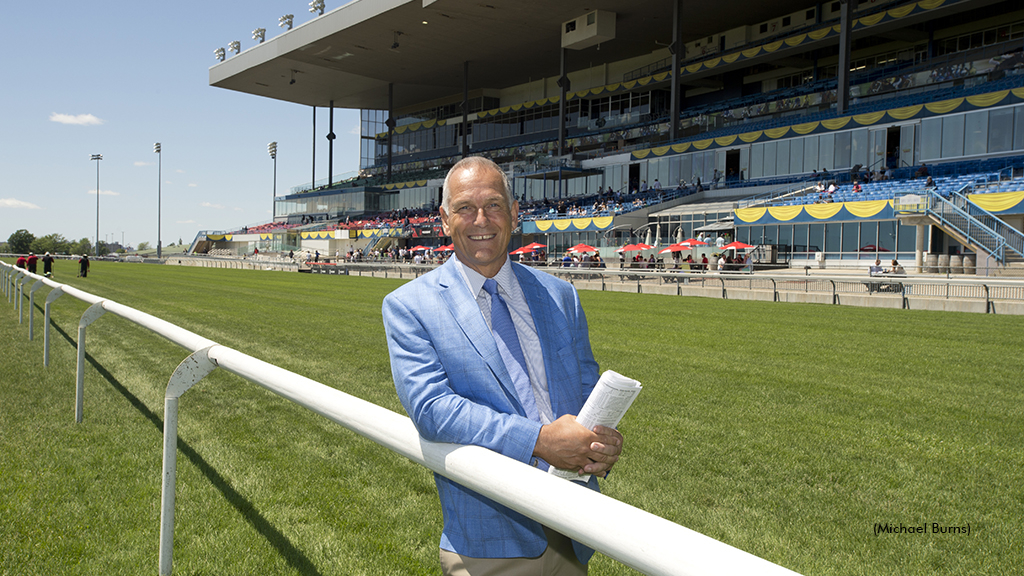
(53, 295)
(17, 294)
(32, 306)
(23, 277)
(90, 316)
(191, 370)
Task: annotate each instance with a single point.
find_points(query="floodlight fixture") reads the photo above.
(97, 158)
(272, 150)
(259, 35)
(159, 169)
(286, 20)
(219, 54)
(235, 46)
(317, 7)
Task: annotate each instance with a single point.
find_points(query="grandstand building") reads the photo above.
(655, 121)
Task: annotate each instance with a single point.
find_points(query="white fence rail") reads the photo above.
(632, 536)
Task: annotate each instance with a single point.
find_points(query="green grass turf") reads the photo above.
(786, 430)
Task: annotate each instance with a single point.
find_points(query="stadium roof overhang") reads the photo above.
(346, 55)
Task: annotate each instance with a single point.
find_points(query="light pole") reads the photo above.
(97, 158)
(159, 167)
(272, 149)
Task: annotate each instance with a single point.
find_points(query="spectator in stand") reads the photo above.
(922, 171)
(930, 183)
(856, 188)
(704, 262)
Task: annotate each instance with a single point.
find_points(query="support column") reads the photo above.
(843, 72)
(563, 86)
(676, 48)
(920, 247)
(390, 123)
(465, 108)
(312, 182)
(330, 148)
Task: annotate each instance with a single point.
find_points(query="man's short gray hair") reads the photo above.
(481, 163)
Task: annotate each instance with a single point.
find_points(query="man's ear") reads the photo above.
(444, 222)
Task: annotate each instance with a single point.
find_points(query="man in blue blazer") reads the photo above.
(456, 386)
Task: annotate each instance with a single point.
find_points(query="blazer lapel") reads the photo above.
(550, 323)
(466, 312)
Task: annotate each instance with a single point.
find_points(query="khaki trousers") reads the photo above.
(558, 559)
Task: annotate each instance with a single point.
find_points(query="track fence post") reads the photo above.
(32, 306)
(191, 370)
(53, 295)
(22, 278)
(88, 317)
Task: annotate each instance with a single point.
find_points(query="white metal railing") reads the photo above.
(639, 539)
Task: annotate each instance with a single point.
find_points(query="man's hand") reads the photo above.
(566, 444)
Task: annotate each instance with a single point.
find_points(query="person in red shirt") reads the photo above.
(32, 261)
(20, 263)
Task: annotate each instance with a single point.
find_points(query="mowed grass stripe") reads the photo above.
(786, 430)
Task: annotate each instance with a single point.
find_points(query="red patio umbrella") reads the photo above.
(694, 242)
(521, 251)
(420, 247)
(582, 248)
(444, 248)
(627, 248)
(535, 245)
(736, 245)
(678, 247)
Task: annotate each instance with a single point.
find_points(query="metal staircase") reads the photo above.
(966, 220)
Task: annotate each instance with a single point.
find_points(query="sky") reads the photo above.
(113, 78)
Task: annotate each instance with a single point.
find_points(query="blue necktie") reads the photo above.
(511, 353)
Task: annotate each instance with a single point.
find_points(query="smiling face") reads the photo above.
(478, 218)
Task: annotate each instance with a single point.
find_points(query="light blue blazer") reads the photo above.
(451, 379)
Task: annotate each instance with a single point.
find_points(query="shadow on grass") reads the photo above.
(295, 558)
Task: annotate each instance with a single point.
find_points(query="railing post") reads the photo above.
(53, 295)
(32, 305)
(22, 277)
(191, 370)
(88, 317)
(835, 295)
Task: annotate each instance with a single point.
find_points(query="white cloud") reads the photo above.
(355, 130)
(193, 185)
(180, 171)
(103, 193)
(79, 120)
(210, 205)
(186, 222)
(15, 203)
(141, 163)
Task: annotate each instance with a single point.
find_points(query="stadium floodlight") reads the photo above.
(235, 46)
(272, 149)
(97, 158)
(286, 20)
(259, 35)
(317, 7)
(219, 54)
(159, 168)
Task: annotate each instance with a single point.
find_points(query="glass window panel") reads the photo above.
(907, 238)
(785, 236)
(709, 166)
(851, 237)
(770, 149)
(953, 136)
(842, 150)
(796, 156)
(1000, 130)
(887, 235)
(931, 138)
(833, 237)
(771, 235)
(1018, 128)
(815, 237)
(811, 154)
(976, 133)
(826, 151)
(686, 171)
(782, 157)
(756, 161)
(744, 163)
(859, 148)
